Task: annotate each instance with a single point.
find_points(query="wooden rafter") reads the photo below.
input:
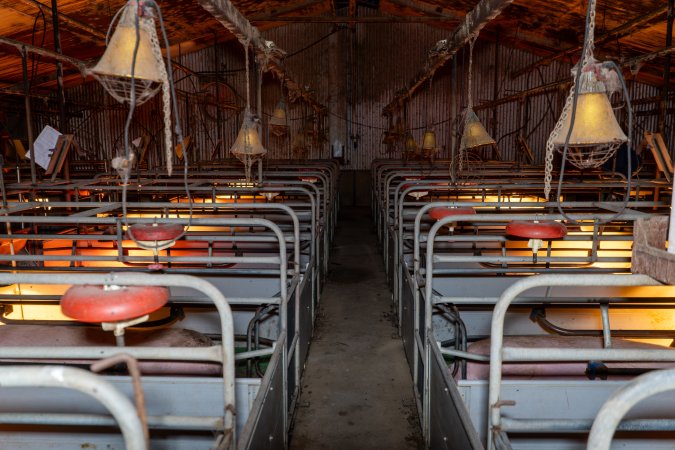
(230, 17)
(482, 14)
(80, 65)
(615, 33)
(64, 19)
(426, 9)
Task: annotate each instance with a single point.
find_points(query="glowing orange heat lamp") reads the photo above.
(536, 231)
(155, 237)
(441, 212)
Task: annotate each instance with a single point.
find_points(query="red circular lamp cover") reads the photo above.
(95, 303)
(156, 231)
(548, 229)
(440, 212)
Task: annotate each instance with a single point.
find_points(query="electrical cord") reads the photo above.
(575, 99)
(132, 107)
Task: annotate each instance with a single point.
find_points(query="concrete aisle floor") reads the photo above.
(357, 388)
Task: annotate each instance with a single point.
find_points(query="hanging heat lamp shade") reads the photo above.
(279, 121)
(475, 134)
(429, 141)
(594, 122)
(114, 69)
(596, 134)
(96, 303)
(410, 146)
(546, 229)
(248, 147)
(155, 235)
(441, 212)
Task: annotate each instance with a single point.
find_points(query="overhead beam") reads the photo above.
(638, 60)
(294, 8)
(428, 10)
(63, 18)
(567, 82)
(230, 17)
(352, 19)
(482, 14)
(80, 65)
(615, 33)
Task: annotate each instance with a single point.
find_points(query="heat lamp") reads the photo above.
(587, 132)
(474, 134)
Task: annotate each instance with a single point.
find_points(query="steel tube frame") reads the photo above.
(122, 410)
(225, 351)
(500, 354)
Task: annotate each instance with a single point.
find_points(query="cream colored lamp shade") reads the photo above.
(279, 122)
(248, 147)
(114, 69)
(596, 134)
(594, 123)
(475, 134)
(429, 140)
(410, 145)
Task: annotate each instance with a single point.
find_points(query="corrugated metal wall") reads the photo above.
(377, 59)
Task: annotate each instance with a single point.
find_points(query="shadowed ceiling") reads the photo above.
(544, 27)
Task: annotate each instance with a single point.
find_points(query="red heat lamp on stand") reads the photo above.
(536, 231)
(441, 212)
(155, 237)
(114, 307)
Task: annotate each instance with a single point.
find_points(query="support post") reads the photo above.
(29, 116)
(663, 103)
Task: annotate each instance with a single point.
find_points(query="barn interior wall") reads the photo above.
(355, 71)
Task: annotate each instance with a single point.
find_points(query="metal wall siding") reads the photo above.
(384, 57)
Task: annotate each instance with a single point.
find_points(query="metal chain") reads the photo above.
(472, 40)
(248, 84)
(586, 58)
(148, 25)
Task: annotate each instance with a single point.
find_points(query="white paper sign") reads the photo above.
(44, 146)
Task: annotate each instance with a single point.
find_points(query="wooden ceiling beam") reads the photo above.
(425, 9)
(482, 14)
(294, 8)
(615, 33)
(80, 65)
(230, 17)
(639, 60)
(353, 19)
(63, 18)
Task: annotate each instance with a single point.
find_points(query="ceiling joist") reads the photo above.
(20, 46)
(616, 33)
(237, 24)
(64, 19)
(482, 14)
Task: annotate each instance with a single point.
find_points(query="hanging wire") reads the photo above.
(587, 58)
(132, 106)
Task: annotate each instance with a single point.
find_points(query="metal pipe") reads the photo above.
(29, 116)
(498, 354)
(60, 92)
(69, 377)
(621, 401)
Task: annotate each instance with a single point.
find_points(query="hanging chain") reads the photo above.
(586, 58)
(148, 25)
(472, 40)
(248, 83)
(461, 154)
